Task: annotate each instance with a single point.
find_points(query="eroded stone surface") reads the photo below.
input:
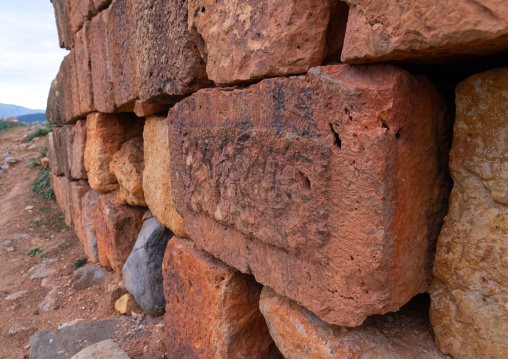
(84, 71)
(157, 177)
(143, 270)
(127, 165)
(249, 40)
(77, 150)
(79, 12)
(77, 190)
(212, 309)
(60, 185)
(117, 227)
(102, 81)
(65, 35)
(54, 113)
(89, 205)
(105, 135)
(169, 64)
(469, 310)
(300, 334)
(400, 30)
(326, 187)
(54, 164)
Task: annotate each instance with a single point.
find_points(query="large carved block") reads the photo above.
(211, 309)
(403, 30)
(469, 309)
(254, 39)
(63, 24)
(84, 71)
(327, 187)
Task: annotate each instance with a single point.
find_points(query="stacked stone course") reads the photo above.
(256, 173)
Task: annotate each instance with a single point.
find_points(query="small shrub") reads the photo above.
(44, 151)
(66, 227)
(4, 125)
(40, 133)
(42, 185)
(62, 217)
(80, 262)
(32, 252)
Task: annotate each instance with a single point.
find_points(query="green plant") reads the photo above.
(42, 185)
(4, 125)
(80, 262)
(44, 151)
(66, 227)
(44, 254)
(32, 252)
(6, 292)
(40, 133)
(62, 217)
(35, 163)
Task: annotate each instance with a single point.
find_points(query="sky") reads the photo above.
(30, 55)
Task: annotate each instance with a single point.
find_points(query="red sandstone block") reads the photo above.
(63, 25)
(83, 71)
(211, 308)
(69, 143)
(79, 12)
(117, 227)
(54, 164)
(403, 30)
(60, 185)
(101, 4)
(327, 187)
(103, 94)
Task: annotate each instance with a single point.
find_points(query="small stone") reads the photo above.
(105, 349)
(126, 304)
(50, 302)
(16, 328)
(21, 236)
(27, 208)
(88, 276)
(16, 295)
(32, 147)
(4, 243)
(10, 249)
(11, 160)
(6, 154)
(4, 167)
(42, 273)
(45, 162)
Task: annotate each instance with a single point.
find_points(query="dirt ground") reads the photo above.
(36, 221)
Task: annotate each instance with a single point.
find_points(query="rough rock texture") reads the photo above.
(117, 227)
(79, 12)
(143, 109)
(105, 349)
(126, 304)
(401, 30)
(143, 270)
(84, 71)
(54, 105)
(65, 36)
(54, 164)
(169, 64)
(212, 309)
(105, 135)
(102, 81)
(249, 40)
(469, 310)
(89, 203)
(157, 177)
(60, 185)
(127, 165)
(77, 150)
(62, 141)
(121, 29)
(76, 192)
(299, 334)
(88, 276)
(69, 340)
(101, 4)
(326, 187)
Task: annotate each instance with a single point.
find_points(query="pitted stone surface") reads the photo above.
(105, 135)
(326, 187)
(63, 24)
(469, 309)
(212, 309)
(249, 40)
(299, 334)
(404, 30)
(89, 205)
(127, 165)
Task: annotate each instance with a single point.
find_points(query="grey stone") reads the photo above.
(33, 132)
(105, 349)
(88, 276)
(68, 341)
(143, 270)
(11, 160)
(5, 243)
(38, 266)
(4, 167)
(42, 273)
(16, 295)
(21, 236)
(50, 302)
(6, 154)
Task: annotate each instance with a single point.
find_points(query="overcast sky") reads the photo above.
(29, 53)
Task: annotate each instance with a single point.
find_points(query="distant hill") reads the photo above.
(16, 111)
(33, 118)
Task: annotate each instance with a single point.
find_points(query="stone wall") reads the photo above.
(274, 176)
